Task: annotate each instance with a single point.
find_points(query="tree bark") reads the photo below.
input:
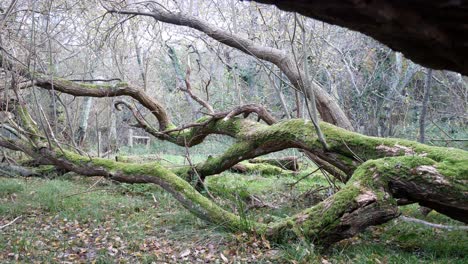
(84, 117)
(422, 118)
(438, 29)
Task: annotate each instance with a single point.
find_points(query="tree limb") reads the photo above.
(329, 109)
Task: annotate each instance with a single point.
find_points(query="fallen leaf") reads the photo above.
(224, 258)
(184, 253)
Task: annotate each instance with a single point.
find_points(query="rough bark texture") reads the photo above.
(416, 28)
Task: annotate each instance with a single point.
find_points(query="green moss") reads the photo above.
(121, 84)
(45, 169)
(402, 168)
(330, 213)
(451, 162)
(264, 169)
(388, 168)
(27, 121)
(319, 219)
(179, 188)
(293, 130)
(203, 119)
(171, 126)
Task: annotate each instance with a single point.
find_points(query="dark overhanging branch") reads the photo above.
(446, 41)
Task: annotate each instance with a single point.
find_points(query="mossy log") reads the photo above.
(258, 168)
(370, 197)
(286, 163)
(381, 173)
(394, 170)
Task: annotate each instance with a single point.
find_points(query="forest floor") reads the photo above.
(91, 220)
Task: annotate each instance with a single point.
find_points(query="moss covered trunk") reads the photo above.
(380, 173)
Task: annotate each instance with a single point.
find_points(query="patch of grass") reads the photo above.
(227, 183)
(300, 252)
(10, 187)
(54, 196)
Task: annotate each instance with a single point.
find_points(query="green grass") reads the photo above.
(10, 187)
(66, 220)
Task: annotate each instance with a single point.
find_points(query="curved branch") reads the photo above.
(246, 110)
(329, 109)
(188, 90)
(91, 90)
(102, 90)
(433, 177)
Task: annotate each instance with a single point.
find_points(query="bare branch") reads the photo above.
(193, 95)
(329, 109)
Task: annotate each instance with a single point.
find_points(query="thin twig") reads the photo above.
(419, 221)
(303, 177)
(10, 223)
(352, 152)
(443, 131)
(194, 169)
(154, 198)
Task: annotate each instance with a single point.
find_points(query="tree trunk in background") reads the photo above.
(56, 112)
(277, 84)
(298, 99)
(181, 79)
(112, 137)
(422, 118)
(84, 117)
(139, 59)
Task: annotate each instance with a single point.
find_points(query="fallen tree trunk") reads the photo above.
(379, 173)
(369, 198)
(258, 168)
(286, 163)
(16, 171)
(395, 170)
